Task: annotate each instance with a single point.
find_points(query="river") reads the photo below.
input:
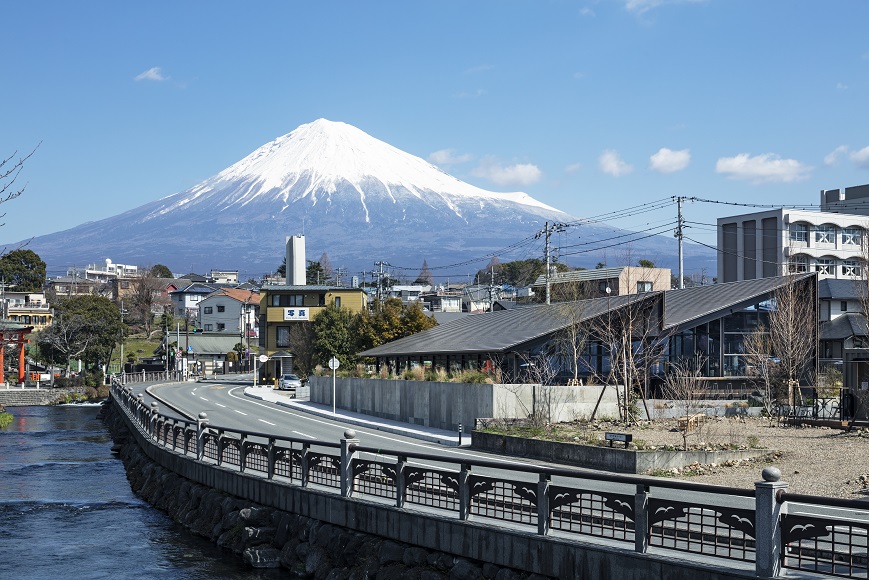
(66, 509)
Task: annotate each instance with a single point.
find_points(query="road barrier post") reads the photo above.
(768, 523)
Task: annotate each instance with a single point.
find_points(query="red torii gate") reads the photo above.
(13, 333)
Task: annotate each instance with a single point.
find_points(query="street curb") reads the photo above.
(429, 437)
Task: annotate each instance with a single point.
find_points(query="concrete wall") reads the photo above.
(546, 555)
(445, 405)
(605, 458)
(13, 397)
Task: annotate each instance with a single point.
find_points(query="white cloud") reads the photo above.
(518, 174)
(764, 168)
(861, 158)
(573, 168)
(642, 6)
(578, 76)
(152, 74)
(470, 94)
(586, 11)
(610, 162)
(669, 161)
(832, 158)
(841, 87)
(449, 157)
(479, 69)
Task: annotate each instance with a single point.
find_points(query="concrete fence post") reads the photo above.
(348, 458)
(641, 519)
(242, 453)
(271, 458)
(201, 428)
(155, 408)
(543, 504)
(140, 415)
(767, 526)
(400, 481)
(465, 492)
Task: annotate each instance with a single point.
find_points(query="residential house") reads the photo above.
(185, 301)
(231, 311)
(28, 309)
(68, 286)
(842, 320)
(578, 284)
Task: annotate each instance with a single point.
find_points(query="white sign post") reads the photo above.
(333, 364)
(263, 359)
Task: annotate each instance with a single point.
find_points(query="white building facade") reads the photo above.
(781, 241)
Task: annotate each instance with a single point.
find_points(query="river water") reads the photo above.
(67, 511)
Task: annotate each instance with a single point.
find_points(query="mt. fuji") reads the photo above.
(354, 197)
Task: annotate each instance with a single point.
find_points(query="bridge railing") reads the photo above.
(765, 526)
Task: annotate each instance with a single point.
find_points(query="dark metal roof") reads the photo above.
(691, 305)
(844, 327)
(501, 330)
(832, 289)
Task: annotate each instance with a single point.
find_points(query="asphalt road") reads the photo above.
(226, 406)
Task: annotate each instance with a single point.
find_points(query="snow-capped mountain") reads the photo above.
(353, 196)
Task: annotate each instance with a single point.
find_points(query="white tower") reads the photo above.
(296, 261)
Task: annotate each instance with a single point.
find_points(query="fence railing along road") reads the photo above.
(768, 526)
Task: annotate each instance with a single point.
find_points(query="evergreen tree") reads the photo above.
(23, 270)
(332, 336)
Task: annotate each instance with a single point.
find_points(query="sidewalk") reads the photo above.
(448, 438)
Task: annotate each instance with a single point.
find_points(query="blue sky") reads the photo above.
(588, 106)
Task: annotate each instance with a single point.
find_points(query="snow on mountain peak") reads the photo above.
(329, 152)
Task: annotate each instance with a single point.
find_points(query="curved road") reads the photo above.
(227, 406)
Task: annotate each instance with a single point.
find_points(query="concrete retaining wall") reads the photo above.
(37, 397)
(445, 405)
(605, 458)
(546, 555)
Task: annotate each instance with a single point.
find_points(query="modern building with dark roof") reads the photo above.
(711, 321)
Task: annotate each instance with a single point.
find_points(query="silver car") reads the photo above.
(289, 383)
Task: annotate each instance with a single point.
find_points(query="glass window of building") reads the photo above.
(799, 232)
(798, 265)
(851, 236)
(825, 234)
(825, 266)
(851, 268)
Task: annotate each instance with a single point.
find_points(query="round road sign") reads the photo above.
(333, 363)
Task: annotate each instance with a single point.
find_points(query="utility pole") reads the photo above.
(679, 234)
(547, 232)
(379, 274)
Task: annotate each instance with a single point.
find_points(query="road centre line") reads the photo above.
(219, 405)
(239, 412)
(304, 434)
(266, 422)
(428, 447)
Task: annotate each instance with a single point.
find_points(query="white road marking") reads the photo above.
(304, 434)
(267, 422)
(239, 412)
(203, 398)
(361, 430)
(219, 405)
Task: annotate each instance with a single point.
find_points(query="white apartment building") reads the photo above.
(778, 241)
(103, 273)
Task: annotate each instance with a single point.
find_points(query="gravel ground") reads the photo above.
(813, 460)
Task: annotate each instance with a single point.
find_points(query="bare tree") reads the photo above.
(793, 330)
(684, 386)
(763, 367)
(145, 294)
(574, 339)
(302, 346)
(10, 169)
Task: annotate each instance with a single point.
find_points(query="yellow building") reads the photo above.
(285, 309)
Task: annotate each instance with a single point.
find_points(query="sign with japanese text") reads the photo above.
(296, 313)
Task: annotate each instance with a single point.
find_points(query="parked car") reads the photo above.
(289, 383)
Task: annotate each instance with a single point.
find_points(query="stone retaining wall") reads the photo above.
(13, 397)
(317, 534)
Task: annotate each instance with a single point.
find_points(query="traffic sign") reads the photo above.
(333, 363)
(263, 358)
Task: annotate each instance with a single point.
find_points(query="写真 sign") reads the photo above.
(295, 314)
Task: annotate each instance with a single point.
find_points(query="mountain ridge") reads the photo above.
(353, 196)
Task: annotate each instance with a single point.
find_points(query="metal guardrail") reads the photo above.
(766, 525)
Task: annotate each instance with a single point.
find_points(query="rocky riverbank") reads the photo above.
(298, 547)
